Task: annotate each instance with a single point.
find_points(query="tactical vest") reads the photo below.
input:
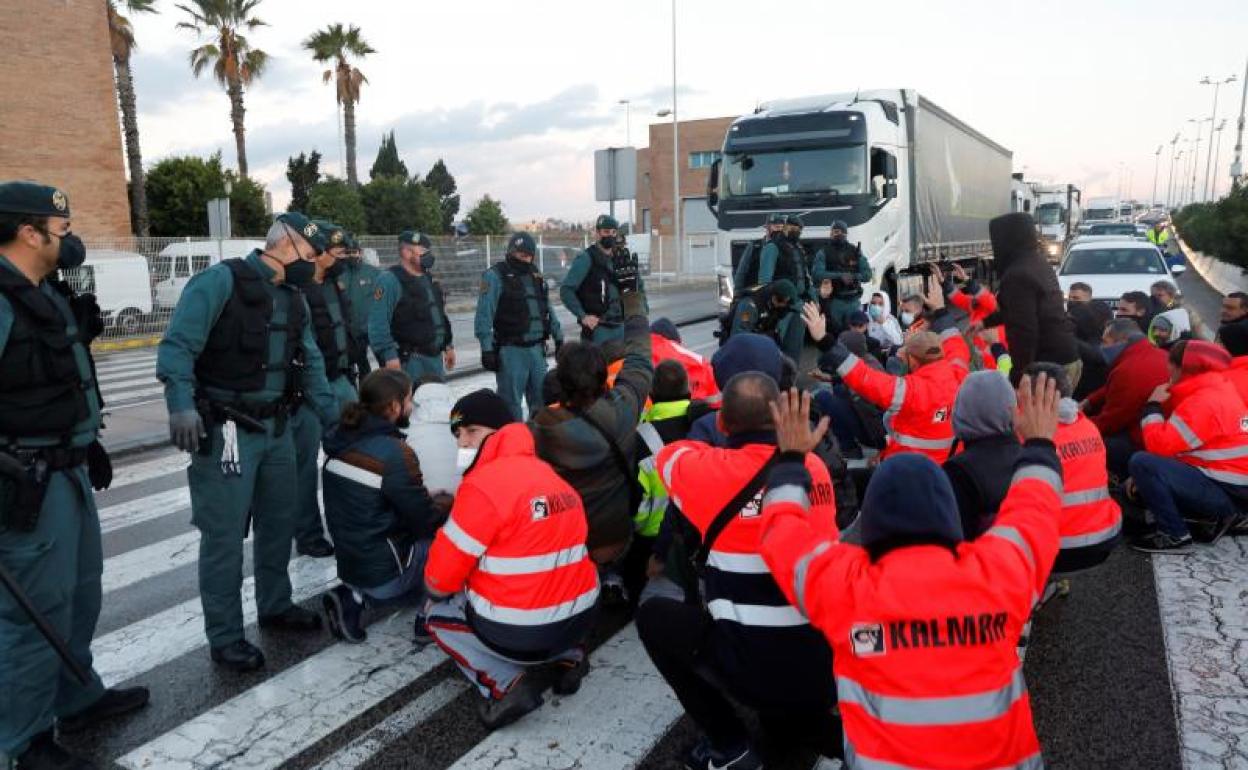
(595, 291)
(325, 328)
(512, 320)
(42, 393)
(844, 258)
(236, 355)
(413, 324)
(786, 264)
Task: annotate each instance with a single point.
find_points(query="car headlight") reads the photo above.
(1052, 249)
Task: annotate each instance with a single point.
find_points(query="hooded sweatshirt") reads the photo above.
(886, 330)
(1031, 304)
(983, 424)
(1090, 319)
(1177, 321)
(430, 435)
(741, 353)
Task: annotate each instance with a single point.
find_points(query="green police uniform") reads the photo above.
(408, 322)
(196, 360)
(848, 269)
(515, 320)
(57, 563)
(359, 280)
(589, 289)
(783, 261)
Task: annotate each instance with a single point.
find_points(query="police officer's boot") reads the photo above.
(44, 753)
(113, 703)
(293, 618)
(239, 656)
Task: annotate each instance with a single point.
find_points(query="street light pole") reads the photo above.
(1217, 153)
(1173, 157)
(628, 142)
(1237, 167)
(1171, 199)
(1152, 201)
(1213, 118)
(675, 153)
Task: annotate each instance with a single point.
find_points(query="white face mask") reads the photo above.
(907, 317)
(465, 457)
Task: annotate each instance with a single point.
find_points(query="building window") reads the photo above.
(703, 159)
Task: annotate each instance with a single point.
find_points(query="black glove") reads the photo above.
(831, 361)
(99, 467)
(625, 271)
(88, 316)
(489, 360)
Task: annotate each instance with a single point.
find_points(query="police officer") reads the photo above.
(848, 269)
(238, 352)
(513, 322)
(407, 324)
(793, 234)
(746, 275)
(49, 461)
(329, 310)
(359, 279)
(781, 260)
(588, 290)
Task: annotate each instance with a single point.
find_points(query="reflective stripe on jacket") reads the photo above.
(1207, 429)
(1089, 515)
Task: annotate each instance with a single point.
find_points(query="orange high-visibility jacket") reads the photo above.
(1207, 427)
(1089, 515)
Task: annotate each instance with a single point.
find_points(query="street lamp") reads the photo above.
(1156, 167)
(1217, 84)
(1217, 152)
(1195, 158)
(1174, 156)
(628, 142)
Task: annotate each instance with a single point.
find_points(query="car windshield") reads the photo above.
(1049, 213)
(789, 172)
(1108, 261)
(1120, 229)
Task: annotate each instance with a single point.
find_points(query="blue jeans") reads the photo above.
(1170, 487)
(847, 424)
(409, 587)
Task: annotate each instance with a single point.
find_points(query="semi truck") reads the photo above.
(913, 183)
(1058, 214)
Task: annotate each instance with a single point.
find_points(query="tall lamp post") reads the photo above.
(1213, 118)
(1173, 157)
(676, 213)
(1195, 157)
(1152, 201)
(1217, 152)
(628, 142)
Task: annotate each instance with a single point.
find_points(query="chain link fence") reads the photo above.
(137, 281)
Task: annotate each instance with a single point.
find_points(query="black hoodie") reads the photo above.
(1032, 307)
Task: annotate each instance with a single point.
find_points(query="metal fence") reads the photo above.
(137, 281)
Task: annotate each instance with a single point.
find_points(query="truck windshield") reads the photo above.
(1050, 213)
(793, 172)
(1101, 214)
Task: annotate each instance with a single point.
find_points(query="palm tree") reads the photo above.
(233, 61)
(335, 43)
(121, 37)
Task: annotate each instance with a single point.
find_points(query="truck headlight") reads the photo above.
(1052, 249)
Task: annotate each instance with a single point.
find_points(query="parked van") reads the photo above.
(177, 262)
(122, 286)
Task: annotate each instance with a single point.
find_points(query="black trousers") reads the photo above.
(675, 635)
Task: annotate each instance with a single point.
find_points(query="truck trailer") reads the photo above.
(913, 183)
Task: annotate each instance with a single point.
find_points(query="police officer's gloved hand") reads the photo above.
(88, 316)
(625, 270)
(831, 360)
(489, 360)
(99, 466)
(186, 429)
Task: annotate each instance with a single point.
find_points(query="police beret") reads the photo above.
(522, 242)
(33, 199)
(310, 230)
(334, 235)
(606, 222)
(777, 219)
(416, 239)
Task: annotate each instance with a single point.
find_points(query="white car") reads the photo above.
(1114, 267)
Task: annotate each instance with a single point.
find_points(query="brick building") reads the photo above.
(700, 143)
(60, 123)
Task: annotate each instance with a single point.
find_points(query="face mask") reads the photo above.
(300, 272)
(875, 311)
(793, 237)
(426, 261)
(465, 457)
(838, 238)
(517, 264)
(607, 241)
(1111, 352)
(71, 253)
(907, 317)
(336, 269)
(403, 422)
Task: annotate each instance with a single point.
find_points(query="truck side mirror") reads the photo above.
(890, 190)
(890, 168)
(712, 187)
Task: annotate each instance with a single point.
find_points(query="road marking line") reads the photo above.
(142, 563)
(142, 509)
(375, 740)
(147, 470)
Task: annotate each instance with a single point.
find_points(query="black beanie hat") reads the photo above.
(482, 407)
(1234, 338)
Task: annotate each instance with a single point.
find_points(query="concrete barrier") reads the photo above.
(1222, 276)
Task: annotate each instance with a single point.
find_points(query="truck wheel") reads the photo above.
(128, 322)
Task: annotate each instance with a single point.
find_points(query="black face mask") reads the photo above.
(426, 261)
(403, 422)
(607, 241)
(793, 237)
(336, 269)
(838, 238)
(519, 265)
(72, 252)
(300, 272)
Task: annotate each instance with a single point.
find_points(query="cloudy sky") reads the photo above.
(515, 96)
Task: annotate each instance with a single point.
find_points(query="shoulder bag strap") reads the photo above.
(731, 509)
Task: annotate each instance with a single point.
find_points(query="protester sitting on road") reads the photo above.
(747, 642)
(1165, 296)
(1091, 519)
(920, 404)
(858, 323)
(666, 345)
(741, 353)
(987, 448)
(882, 326)
(1136, 368)
(1196, 460)
(1137, 306)
(1169, 327)
(1234, 311)
(912, 320)
(1078, 293)
(1090, 319)
(591, 439)
(431, 438)
(512, 583)
(924, 626)
(379, 512)
(1031, 306)
(1235, 340)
